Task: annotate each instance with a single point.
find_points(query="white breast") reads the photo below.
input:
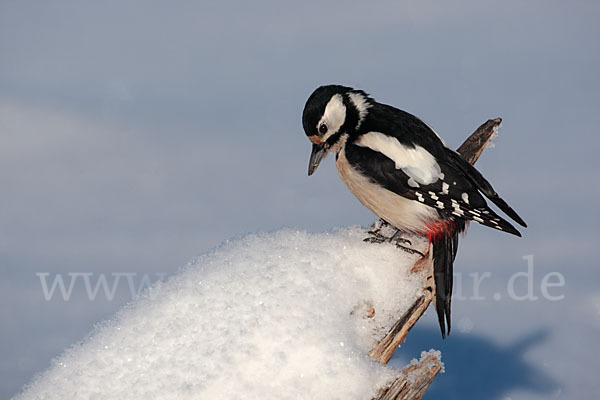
(405, 214)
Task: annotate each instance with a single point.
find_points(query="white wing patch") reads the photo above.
(415, 162)
(445, 187)
(413, 183)
(334, 115)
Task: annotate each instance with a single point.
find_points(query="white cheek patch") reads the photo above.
(333, 116)
(361, 104)
(415, 162)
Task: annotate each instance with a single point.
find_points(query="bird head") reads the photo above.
(332, 113)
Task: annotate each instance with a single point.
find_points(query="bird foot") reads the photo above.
(375, 236)
(409, 250)
(397, 239)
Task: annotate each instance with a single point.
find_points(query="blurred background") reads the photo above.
(136, 135)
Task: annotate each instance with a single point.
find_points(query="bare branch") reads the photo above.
(472, 147)
(414, 380)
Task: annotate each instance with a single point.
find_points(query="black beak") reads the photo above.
(319, 151)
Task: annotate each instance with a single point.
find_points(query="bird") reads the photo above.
(405, 173)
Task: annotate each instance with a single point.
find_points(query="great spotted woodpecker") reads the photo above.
(400, 169)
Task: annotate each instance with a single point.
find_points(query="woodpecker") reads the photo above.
(402, 170)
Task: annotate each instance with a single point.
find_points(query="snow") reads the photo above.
(277, 315)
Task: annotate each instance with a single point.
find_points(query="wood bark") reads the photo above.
(416, 378)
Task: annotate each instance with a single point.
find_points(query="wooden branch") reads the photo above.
(414, 380)
(472, 147)
(385, 348)
(405, 387)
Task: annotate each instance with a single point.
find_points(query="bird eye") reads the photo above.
(323, 129)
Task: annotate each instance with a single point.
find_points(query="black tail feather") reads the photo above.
(444, 254)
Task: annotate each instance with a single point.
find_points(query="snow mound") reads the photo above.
(278, 315)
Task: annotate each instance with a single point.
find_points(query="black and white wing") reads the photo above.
(441, 183)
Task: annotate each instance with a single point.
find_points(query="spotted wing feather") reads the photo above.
(453, 196)
(457, 161)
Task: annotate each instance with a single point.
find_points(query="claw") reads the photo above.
(409, 250)
(375, 238)
(399, 242)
